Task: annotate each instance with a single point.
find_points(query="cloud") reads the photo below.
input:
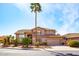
(61, 17)
(69, 16)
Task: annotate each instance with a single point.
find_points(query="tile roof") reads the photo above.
(44, 28)
(2, 37)
(22, 31)
(70, 35)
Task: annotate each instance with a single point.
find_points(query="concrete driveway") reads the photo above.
(62, 48)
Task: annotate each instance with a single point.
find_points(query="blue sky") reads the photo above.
(64, 18)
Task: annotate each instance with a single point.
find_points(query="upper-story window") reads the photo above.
(38, 32)
(47, 32)
(50, 32)
(42, 33)
(21, 36)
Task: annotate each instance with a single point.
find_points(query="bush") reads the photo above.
(73, 43)
(1, 41)
(62, 43)
(5, 43)
(15, 42)
(37, 44)
(43, 43)
(26, 41)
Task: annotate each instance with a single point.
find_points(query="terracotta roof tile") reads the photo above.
(71, 35)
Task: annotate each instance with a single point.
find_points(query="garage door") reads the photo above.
(53, 42)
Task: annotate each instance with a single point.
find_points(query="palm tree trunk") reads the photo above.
(36, 24)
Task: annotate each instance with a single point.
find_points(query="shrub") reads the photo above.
(62, 43)
(5, 43)
(1, 41)
(37, 44)
(73, 43)
(15, 42)
(43, 43)
(26, 42)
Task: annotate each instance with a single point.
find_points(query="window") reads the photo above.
(38, 32)
(21, 36)
(42, 32)
(51, 32)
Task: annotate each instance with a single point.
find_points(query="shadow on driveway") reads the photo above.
(61, 54)
(67, 54)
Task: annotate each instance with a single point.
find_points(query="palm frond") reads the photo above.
(35, 7)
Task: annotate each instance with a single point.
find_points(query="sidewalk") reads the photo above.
(63, 48)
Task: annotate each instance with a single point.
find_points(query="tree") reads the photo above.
(26, 42)
(9, 38)
(15, 42)
(35, 7)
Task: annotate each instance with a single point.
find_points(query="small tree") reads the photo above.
(26, 42)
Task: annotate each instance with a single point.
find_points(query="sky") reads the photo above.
(63, 17)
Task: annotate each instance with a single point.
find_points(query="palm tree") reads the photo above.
(35, 7)
(9, 38)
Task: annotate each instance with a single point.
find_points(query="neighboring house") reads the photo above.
(43, 35)
(72, 36)
(2, 38)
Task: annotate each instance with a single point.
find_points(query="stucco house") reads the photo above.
(2, 38)
(72, 36)
(43, 35)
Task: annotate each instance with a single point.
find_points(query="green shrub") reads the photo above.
(26, 41)
(73, 43)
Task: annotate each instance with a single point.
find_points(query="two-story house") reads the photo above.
(43, 35)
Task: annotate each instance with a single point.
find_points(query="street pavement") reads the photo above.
(54, 51)
(23, 52)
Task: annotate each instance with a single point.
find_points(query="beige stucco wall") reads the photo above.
(76, 39)
(33, 40)
(51, 41)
